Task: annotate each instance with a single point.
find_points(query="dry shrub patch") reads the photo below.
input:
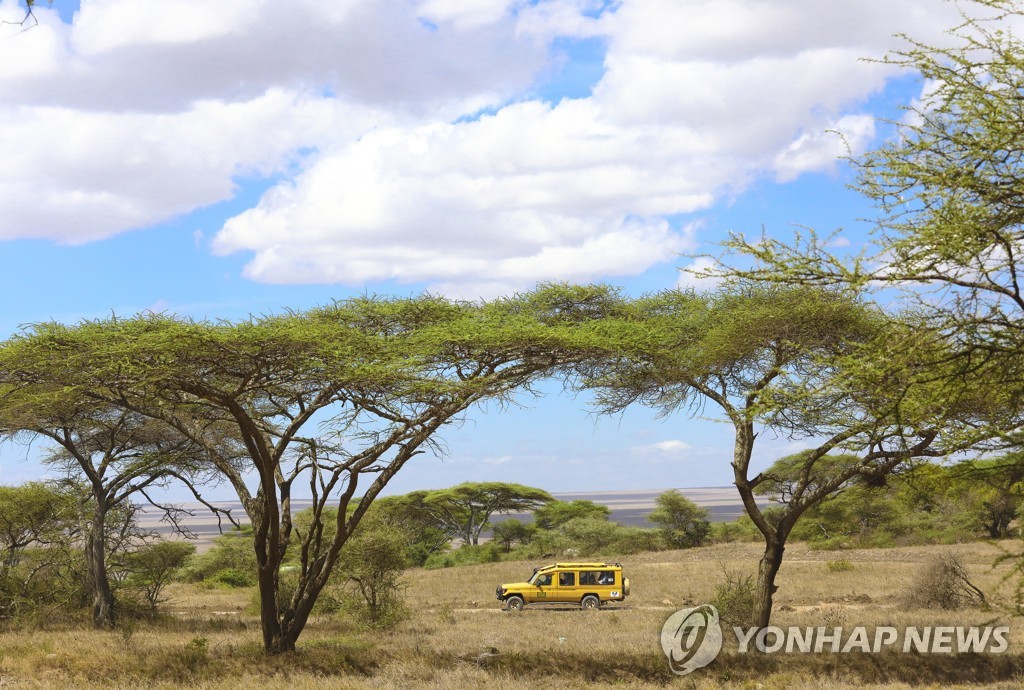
(943, 583)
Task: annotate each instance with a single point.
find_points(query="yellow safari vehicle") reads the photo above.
(587, 584)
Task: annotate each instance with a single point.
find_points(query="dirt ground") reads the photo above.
(457, 636)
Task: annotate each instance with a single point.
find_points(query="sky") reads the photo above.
(217, 160)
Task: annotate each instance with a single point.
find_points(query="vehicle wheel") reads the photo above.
(514, 603)
(590, 602)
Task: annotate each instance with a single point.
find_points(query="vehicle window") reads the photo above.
(543, 580)
(606, 577)
(566, 579)
(589, 577)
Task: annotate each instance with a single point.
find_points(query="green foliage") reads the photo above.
(510, 532)
(924, 504)
(34, 513)
(557, 513)
(683, 524)
(230, 562)
(735, 597)
(469, 554)
(592, 537)
(152, 566)
(740, 530)
(465, 510)
(425, 536)
(39, 568)
(372, 562)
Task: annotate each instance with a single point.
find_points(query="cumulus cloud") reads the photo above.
(403, 136)
(100, 173)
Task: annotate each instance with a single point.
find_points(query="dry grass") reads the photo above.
(457, 637)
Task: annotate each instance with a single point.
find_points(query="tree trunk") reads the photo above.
(96, 562)
(768, 568)
(275, 640)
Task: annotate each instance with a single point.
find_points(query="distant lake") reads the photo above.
(628, 508)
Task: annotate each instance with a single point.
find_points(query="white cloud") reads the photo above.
(110, 172)
(368, 112)
(668, 447)
(465, 13)
(689, 275)
(822, 150)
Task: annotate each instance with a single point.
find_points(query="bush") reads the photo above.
(839, 566)
(739, 530)
(230, 562)
(591, 537)
(152, 566)
(942, 583)
(233, 577)
(512, 531)
(466, 555)
(734, 597)
(372, 562)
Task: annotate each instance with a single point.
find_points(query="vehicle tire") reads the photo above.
(514, 604)
(590, 602)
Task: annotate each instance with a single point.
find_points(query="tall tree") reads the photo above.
(465, 510)
(116, 456)
(325, 401)
(807, 363)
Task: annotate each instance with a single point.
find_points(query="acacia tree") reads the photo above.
(810, 364)
(949, 190)
(465, 510)
(993, 488)
(555, 514)
(324, 400)
(683, 523)
(113, 455)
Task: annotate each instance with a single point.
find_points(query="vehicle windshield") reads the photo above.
(540, 579)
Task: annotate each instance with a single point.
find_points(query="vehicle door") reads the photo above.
(567, 586)
(544, 589)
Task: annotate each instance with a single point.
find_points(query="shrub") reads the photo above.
(942, 583)
(734, 597)
(152, 566)
(233, 577)
(230, 562)
(512, 531)
(741, 529)
(466, 555)
(841, 565)
(372, 562)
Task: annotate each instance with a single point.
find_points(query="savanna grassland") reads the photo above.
(456, 636)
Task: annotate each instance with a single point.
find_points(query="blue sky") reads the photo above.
(221, 159)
